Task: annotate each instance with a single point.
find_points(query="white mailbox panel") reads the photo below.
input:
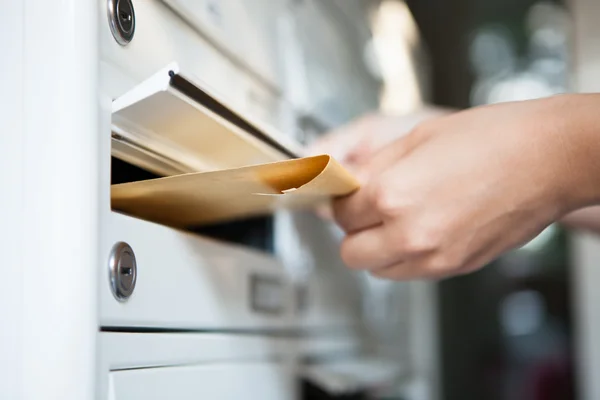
(161, 37)
(226, 381)
(185, 281)
(246, 30)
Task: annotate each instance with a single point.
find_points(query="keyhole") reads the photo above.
(125, 17)
(122, 271)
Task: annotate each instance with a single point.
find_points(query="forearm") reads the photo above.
(577, 122)
(587, 219)
(581, 127)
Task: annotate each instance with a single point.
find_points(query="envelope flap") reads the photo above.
(202, 198)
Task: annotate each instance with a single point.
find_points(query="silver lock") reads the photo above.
(121, 19)
(122, 270)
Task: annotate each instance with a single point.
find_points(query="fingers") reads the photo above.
(379, 247)
(427, 265)
(368, 249)
(398, 272)
(407, 270)
(357, 211)
(375, 241)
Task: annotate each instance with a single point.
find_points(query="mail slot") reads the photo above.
(231, 167)
(256, 232)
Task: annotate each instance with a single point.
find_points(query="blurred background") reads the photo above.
(505, 332)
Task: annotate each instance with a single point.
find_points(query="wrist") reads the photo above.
(575, 129)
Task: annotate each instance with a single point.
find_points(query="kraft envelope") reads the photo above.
(208, 197)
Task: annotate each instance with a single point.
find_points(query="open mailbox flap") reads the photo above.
(171, 125)
(222, 166)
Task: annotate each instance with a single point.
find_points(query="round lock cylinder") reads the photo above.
(122, 271)
(121, 19)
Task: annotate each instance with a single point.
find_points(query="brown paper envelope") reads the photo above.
(207, 197)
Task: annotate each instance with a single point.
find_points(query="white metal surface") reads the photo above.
(246, 31)
(126, 351)
(12, 35)
(586, 259)
(183, 365)
(186, 281)
(309, 250)
(123, 350)
(136, 350)
(53, 148)
(585, 247)
(227, 381)
(162, 37)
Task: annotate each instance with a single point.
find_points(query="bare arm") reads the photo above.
(587, 219)
(460, 190)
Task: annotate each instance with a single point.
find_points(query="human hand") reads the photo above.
(460, 190)
(355, 143)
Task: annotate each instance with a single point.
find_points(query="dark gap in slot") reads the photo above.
(288, 332)
(312, 391)
(124, 172)
(256, 232)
